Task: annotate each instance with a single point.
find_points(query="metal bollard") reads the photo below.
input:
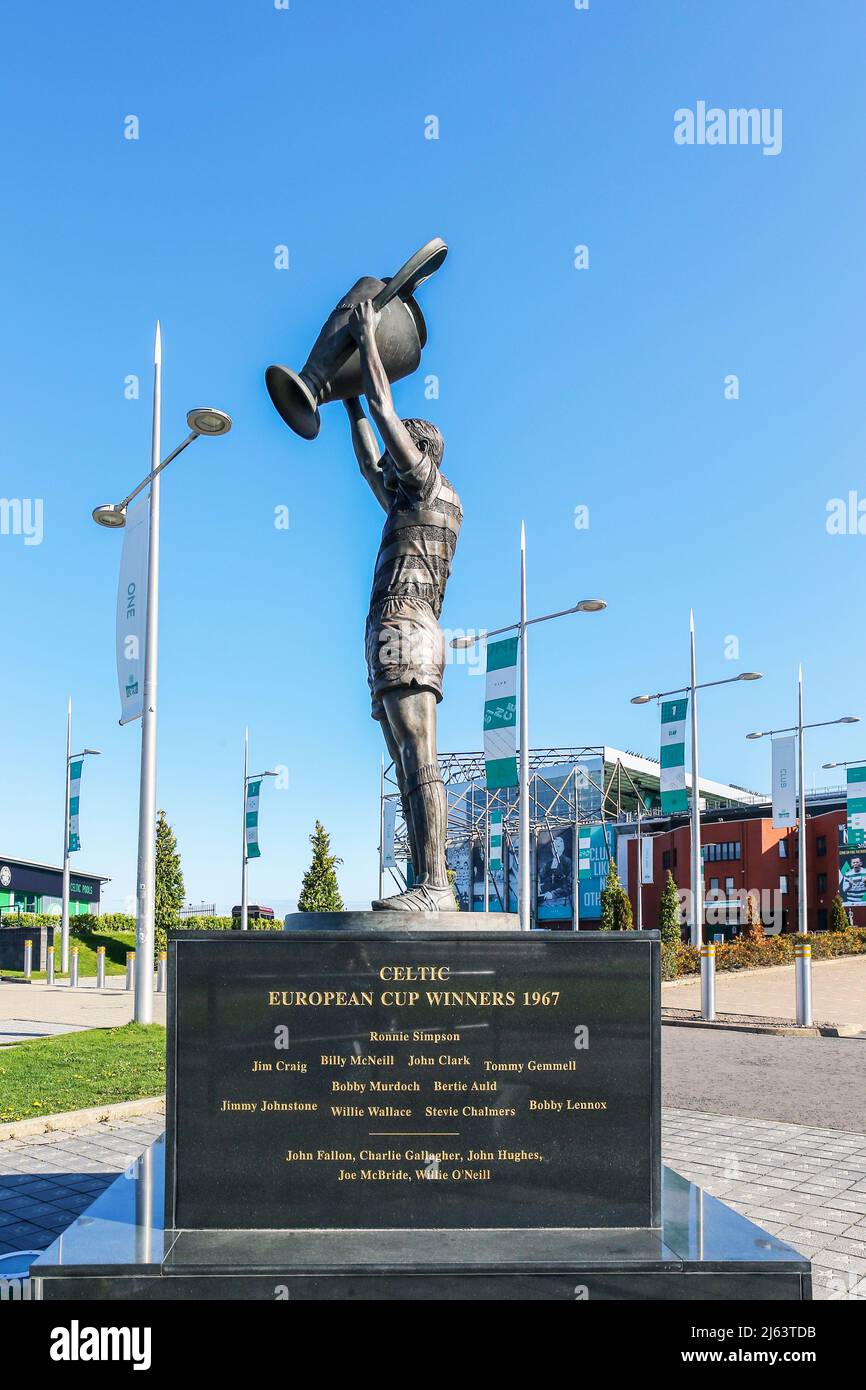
(160, 973)
(73, 967)
(708, 981)
(130, 970)
(28, 960)
(803, 975)
(49, 967)
(100, 967)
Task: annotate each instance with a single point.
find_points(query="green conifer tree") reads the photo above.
(320, 891)
(838, 915)
(669, 911)
(169, 886)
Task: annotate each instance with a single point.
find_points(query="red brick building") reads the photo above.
(743, 853)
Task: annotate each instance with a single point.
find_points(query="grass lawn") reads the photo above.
(116, 946)
(77, 1070)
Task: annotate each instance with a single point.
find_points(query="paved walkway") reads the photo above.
(39, 1010)
(806, 1185)
(838, 991)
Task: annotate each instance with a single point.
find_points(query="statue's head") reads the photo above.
(426, 437)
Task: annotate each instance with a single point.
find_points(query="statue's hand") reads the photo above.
(363, 320)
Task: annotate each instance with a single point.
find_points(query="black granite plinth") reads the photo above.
(374, 1078)
(402, 921)
(119, 1249)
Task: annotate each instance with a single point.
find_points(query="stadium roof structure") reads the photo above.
(585, 783)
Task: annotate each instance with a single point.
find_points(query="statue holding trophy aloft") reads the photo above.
(373, 337)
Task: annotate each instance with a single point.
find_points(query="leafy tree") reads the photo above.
(169, 887)
(616, 912)
(669, 911)
(320, 891)
(839, 919)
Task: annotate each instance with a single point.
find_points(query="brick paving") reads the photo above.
(806, 1185)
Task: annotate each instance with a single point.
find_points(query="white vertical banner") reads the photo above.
(646, 859)
(389, 823)
(622, 844)
(132, 612)
(784, 781)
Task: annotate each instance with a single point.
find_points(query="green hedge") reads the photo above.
(113, 922)
(213, 924)
(744, 954)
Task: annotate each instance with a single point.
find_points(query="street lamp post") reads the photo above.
(202, 421)
(803, 963)
(64, 902)
(697, 867)
(585, 605)
(256, 777)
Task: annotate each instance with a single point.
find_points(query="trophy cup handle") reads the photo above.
(417, 269)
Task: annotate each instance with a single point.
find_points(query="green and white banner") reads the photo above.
(856, 805)
(500, 714)
(132, 612)
(584, 846)
(74, 799)
(252, 819)
(495, 865)
(673, 755)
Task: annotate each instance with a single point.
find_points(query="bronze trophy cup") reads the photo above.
(332, 371)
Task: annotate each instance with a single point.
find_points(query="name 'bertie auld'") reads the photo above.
(409, 998)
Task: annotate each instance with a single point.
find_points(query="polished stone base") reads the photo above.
(402, 921)
(118, 1249)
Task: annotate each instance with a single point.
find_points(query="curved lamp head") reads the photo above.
(590, 605)
(94, 752)
(206, 420)
(750, 676)
(464, 641)
(110, 514)
(831, 764)
(850, 719)
(759, 735)
(641, 699)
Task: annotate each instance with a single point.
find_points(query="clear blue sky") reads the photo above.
(559, 387)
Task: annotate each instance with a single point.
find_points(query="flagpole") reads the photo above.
(486, 850)
(144, 927)
(382, 826)
(245, 859)
(802, 904)
(575, 859)
(524, 899)
(64, 909)
(697, 862)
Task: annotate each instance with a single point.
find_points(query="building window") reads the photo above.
(821, 845)
(669, 859)
(822, 919)
(714, 885)
(783, 849)
(783, 883)
(822, 883)
(729, 887)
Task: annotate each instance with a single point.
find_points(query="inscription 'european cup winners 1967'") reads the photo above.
(335, 1063)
